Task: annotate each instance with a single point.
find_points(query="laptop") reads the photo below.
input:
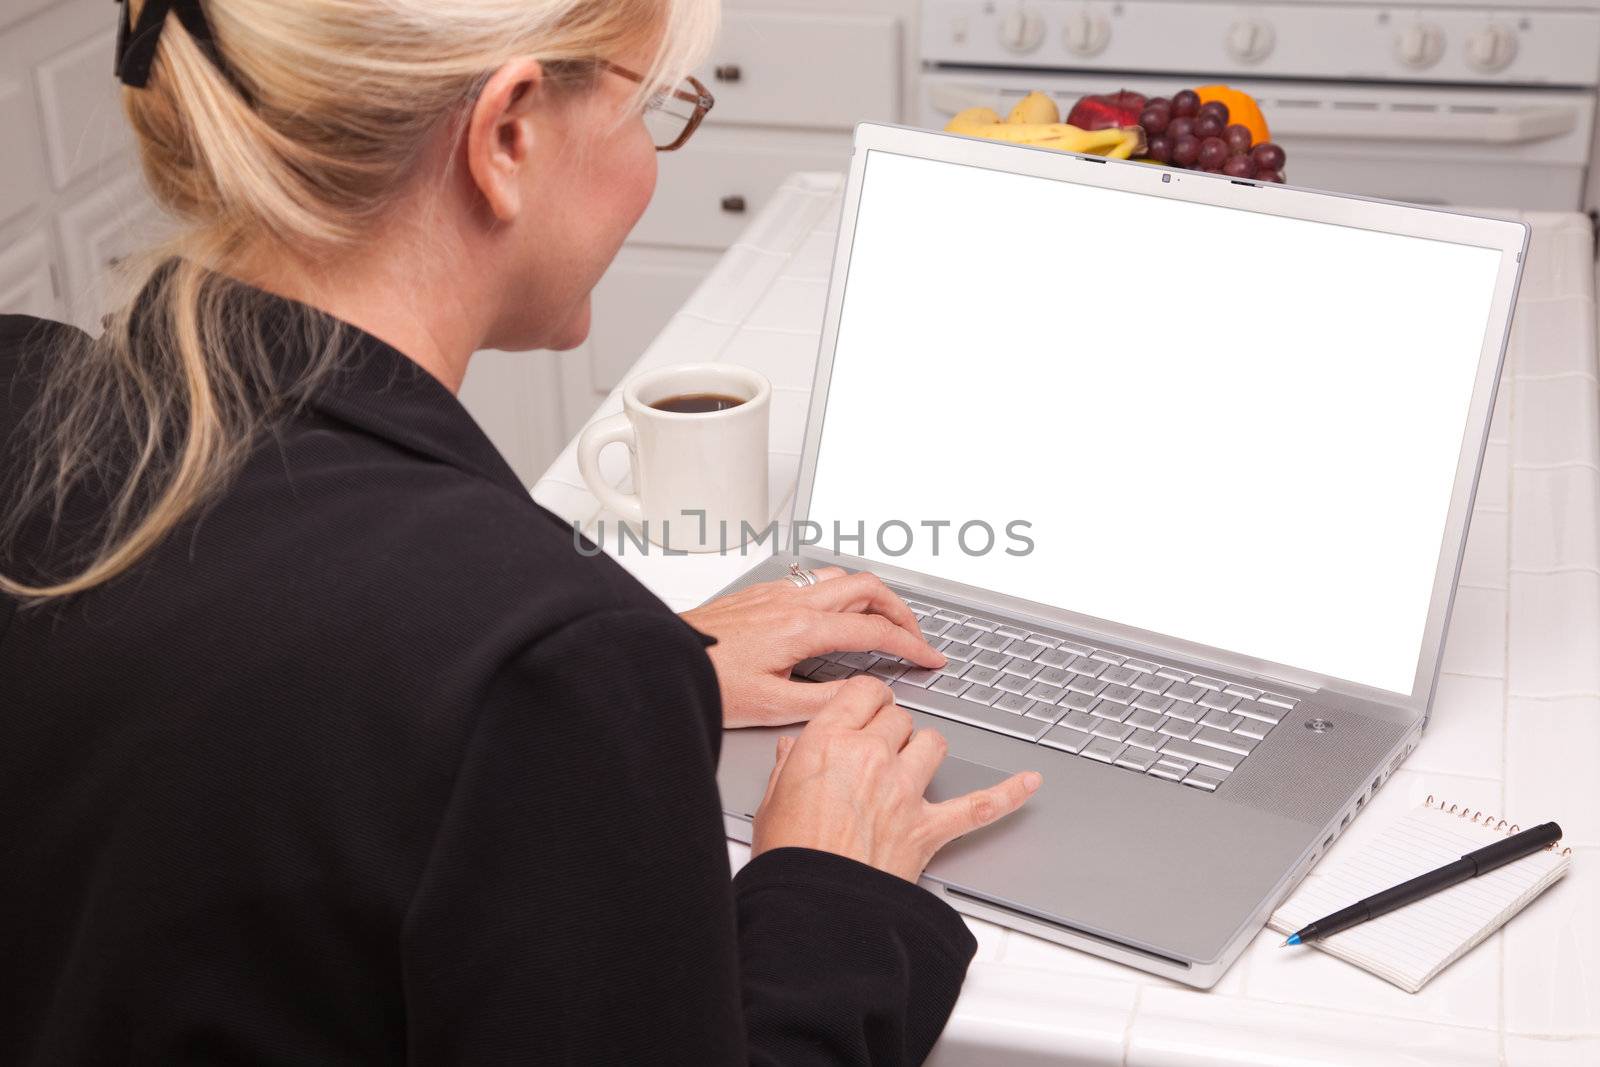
(1176, 469)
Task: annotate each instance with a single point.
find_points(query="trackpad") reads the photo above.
(957, 777)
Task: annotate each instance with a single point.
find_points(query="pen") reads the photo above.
(1471, 865)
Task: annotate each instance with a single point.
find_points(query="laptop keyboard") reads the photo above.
(1144, 716)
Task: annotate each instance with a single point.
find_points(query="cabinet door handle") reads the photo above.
(728, 72)
(733, 204)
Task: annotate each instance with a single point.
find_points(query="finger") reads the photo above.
(865, 592)
(963, 814)
(785, 744)
(892, 723)
(828, 574)
(799, 701)
(854, 705)
(836, 632)
(922, 755)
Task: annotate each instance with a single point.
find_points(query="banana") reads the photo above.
(973, 116)
(1035, 107)
(1114, 143)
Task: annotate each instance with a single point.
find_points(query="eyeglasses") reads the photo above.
(671, 118)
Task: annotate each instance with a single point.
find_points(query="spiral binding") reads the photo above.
(1490, 821)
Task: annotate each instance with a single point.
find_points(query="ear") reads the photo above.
(500, 135)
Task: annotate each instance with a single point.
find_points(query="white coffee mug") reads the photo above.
(699, 478)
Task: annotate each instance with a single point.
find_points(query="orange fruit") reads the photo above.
(1242, 108)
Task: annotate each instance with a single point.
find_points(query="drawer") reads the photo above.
(22, 178)
(781, 69)
(708, 191)
(26, 287)
(639, 293)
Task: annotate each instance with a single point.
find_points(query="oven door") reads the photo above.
(1467, 147)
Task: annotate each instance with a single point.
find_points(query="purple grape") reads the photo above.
(1155, 119)
(1269, 176)
(1238, 138)
(1185, 150)
(1180, 127)
(1217, 109)
(1186, 103)
(1159, 101)
(1213, 153)
(1207, 126)
(1267, 156)
(1159, 149)
(1238, 167)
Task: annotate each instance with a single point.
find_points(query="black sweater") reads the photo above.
(367, 763)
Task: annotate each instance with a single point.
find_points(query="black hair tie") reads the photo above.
(136, 44)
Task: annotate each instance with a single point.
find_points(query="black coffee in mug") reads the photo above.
(697, 403)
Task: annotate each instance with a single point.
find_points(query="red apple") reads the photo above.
(1107, 110)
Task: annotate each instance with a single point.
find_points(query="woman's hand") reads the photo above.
(762, 631)
(852, 783)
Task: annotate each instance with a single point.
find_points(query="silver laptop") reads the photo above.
(1176, 470)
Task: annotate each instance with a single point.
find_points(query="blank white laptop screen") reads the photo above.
(1232, 428)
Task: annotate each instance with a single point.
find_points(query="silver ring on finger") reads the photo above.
(801, 578)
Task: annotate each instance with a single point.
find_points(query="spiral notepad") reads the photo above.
(1410, 945)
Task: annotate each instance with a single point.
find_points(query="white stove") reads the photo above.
(1431, 102)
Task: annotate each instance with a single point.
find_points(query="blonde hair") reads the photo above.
(313, 134)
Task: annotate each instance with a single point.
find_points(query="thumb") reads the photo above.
(785, 744)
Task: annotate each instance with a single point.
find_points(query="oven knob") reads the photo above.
(1419, 45)
(1491, 49)
(1021, 31)
(1249, 40)
(1087, 33)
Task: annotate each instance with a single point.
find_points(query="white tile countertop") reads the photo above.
(1515, 730)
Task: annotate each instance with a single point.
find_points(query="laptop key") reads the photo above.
(1013, 683)
(1110, 709)
(1204, 778)
(1102, 749)
(806, 666)
(1164, 770)
(1252, 729)
(1151, 683)
(983, 694)
(1075, 648)
(1180, 767)
(1178, 728)
(1152, 702)
(1115, 731)
(1286, 703)
(992, 642)
(1054, 657)
(1021, 668)
(1089, 668)
(949, 616)
(1139, 665)
(1144, 718)
(1044, 711)
(1217, 701)
(1010, 631)
(1078, 701)
(1044, 691)
(933, 626)
(832, 672)
(1079, 683)
(960, 651)
(1053, 676)
(1239, 746)
(990, 658)
(1021, 649)
(1185, 691)
(1255, 709)
(980, 674)
(1079, 720)
(950, 684)
(970, 712)
(1015, 703)
(1139, 759)
(887, 669)
(1221, 720)
(1118, 675)
(1173, 673)
(1187, 712)
(856, 661)
(1065, 738)
(1147, 739)
(1106, 657)
(980, 624)
(1241, 691)
(1211, 757)
(963, 633)
(1120, 693)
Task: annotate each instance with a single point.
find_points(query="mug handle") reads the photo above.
(595, 437)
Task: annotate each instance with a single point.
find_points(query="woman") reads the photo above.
(322, 743)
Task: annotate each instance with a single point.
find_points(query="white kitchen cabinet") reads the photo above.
(791, 82)
(27, 285)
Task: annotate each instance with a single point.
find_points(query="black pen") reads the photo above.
(1471, 865)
